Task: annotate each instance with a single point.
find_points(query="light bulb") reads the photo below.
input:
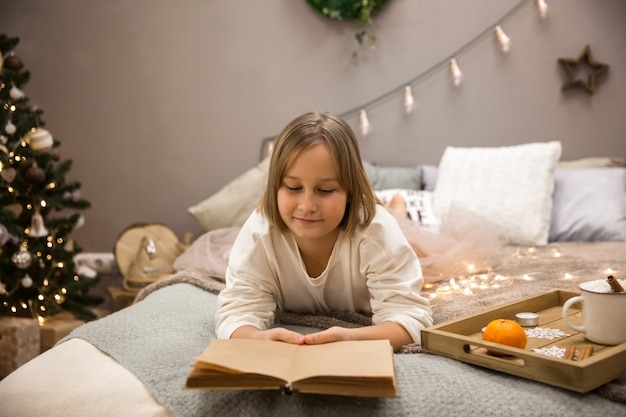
(457, 76)
(409, 103)
(505, 41)
(543, 8)
(364, 123)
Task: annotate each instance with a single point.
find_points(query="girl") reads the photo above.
(321, 241)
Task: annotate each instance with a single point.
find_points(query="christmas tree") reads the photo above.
(39, 209)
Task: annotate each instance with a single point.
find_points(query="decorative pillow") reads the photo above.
(511, 187)
(589, 204)
(232, 204)
(383, 177)
(594, 162)
(209, 252)
(418, 204)
(429, 177)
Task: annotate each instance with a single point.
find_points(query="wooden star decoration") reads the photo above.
(570, 65)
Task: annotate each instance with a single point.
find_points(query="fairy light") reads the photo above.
(409, 102)
(543, 8)
(455, 70)
(364, 123)
(449, 60)
(505, 41)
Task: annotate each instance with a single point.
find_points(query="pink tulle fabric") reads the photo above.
(463, 244)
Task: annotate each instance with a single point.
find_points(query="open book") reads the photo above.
(356, 368)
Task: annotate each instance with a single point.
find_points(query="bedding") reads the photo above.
(134, 362)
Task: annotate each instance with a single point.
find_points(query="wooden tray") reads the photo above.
(461, 339)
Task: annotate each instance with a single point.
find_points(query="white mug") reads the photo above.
(604, 313)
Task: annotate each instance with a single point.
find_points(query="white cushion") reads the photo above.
(510, 187)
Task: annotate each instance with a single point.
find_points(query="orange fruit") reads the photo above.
(506, 332)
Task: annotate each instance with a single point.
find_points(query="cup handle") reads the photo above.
(566, 307)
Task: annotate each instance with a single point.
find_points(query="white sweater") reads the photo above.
(375, 271)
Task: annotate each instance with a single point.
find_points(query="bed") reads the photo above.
(134, 362)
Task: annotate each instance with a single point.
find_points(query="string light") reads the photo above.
(450, 60)
(543, 8)
(364, 123)
(457, 76)
(409, 103)
(505, 41)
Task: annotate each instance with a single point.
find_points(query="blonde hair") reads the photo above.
(312, 129)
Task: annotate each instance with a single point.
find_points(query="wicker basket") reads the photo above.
(145, 253)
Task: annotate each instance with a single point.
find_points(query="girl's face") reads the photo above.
(310, 200)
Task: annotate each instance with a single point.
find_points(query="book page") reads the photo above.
(264, 357)
(359, 359)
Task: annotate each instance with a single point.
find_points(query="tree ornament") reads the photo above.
(27, 281)
(56, 156)
(3, 287)
(13, 62)
(4, 235)
(22, 258)
(8, 174)
(37, 226)
(80, 222)
(16, 209)
(3, 139)
(9, 128)
(39, 139)
(16, 93)
(35, 174)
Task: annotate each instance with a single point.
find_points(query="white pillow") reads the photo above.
(418, 204)
(510, 187)
(232, 204)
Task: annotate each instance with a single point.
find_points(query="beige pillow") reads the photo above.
(595, 162)
(510, 187)
(232, 204)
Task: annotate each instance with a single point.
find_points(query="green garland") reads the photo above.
(360, 11)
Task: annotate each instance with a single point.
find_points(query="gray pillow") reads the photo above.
(384, 177)
(589, 205)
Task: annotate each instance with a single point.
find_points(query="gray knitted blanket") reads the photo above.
(172, 321)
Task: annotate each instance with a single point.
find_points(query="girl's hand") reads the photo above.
(279, 334)
(332, 334)
(395, 333)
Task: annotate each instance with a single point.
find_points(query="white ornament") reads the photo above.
(27, 281)
(80, 222)
(10, 128)
(16, 93)
(23, 258)
(37, 226)
(40, 139)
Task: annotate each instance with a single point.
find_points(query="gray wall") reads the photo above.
(160, 103)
